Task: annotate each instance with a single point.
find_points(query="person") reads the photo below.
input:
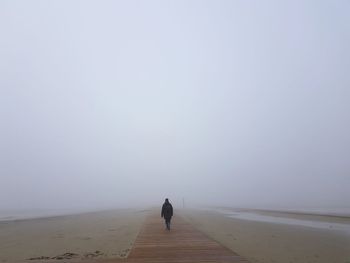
(167, 213)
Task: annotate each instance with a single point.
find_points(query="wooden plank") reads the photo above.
(182, 244)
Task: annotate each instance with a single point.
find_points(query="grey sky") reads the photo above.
(115, 103)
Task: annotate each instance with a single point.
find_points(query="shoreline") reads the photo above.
(344, 214)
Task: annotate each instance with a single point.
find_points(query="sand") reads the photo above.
(110, 235)
(270, 242)
(99, 235)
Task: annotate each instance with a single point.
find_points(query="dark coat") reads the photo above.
(167, 210)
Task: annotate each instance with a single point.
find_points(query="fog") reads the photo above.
(123, 103)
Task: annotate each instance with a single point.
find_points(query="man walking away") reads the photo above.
(167, 212)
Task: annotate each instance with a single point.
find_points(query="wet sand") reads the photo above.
(99, 235)
(265, 242)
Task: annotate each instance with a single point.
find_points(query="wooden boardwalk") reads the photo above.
(182, 244)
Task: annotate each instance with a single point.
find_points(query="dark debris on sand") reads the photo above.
(39, 258)
(69, 255)
(66, 256)
(97, 253)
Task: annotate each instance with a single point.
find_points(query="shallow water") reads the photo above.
(345, 228)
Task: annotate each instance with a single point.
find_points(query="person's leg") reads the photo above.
(167, 223)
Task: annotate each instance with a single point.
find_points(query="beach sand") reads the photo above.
(99, 235)
(271, 242)
(110, 234)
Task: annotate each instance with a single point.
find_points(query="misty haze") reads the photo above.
(236, 111)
